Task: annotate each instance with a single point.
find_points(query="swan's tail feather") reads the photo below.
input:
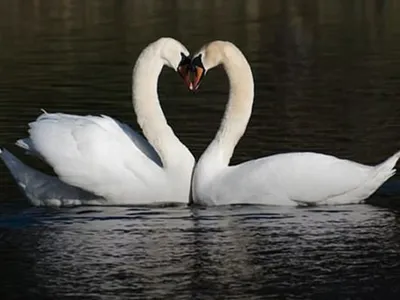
(27, 145)
(384, 171)
(389, 164)
(42, 189)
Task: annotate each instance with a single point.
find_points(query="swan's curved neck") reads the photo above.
(237, 112)
(150, 116)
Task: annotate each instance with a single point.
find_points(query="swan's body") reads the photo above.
(284, 179)
(106, 158)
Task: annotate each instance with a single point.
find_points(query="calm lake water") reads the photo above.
(327, 77)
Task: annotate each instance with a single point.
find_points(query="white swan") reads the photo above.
(102, 161)
(284, 179)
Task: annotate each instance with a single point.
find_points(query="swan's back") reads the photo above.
(304, 177)
(95, 154)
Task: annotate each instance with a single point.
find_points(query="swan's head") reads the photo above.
(175, 56)
(208, 57)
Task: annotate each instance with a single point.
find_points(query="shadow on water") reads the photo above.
(327, 80)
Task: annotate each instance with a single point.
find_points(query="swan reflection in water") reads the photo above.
(235, 250)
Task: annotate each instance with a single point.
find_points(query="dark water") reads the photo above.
(327, 80)
(231, 253)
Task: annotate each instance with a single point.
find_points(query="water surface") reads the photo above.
(177, 253)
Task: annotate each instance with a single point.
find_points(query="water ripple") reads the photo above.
(186, 252)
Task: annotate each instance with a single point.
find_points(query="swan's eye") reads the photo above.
(185, 60)
(197, 61)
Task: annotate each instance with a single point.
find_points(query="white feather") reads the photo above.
(304, 178)
(284, 179)
(95, 154)
(106, 158)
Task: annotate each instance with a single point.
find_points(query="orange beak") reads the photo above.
(197, 76)
(185, 74)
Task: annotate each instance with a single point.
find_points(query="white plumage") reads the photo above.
(96, 154)
(100, 161)
(303, 178)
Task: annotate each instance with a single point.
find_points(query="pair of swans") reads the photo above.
(100, 161)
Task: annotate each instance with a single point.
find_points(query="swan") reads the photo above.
(290, 179)
(100, 161)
